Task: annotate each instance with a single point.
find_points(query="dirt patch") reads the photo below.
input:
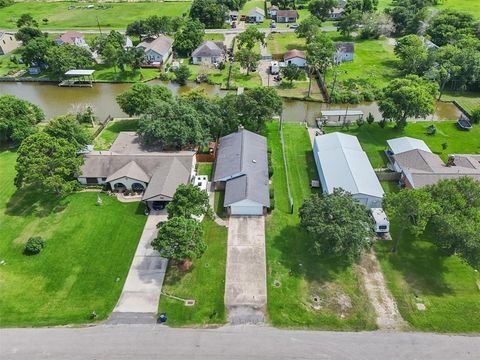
(329, 297)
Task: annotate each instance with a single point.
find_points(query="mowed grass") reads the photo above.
(420, 273)
(468, 6)
(204, 283)
(205, 169)
(301, 273)
(108, 135)
(374, 139)
(85, 261)
(116, 17)
(468, 100)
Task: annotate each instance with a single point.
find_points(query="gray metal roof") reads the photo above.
(406, 143)
(209, 48)
(242, 162)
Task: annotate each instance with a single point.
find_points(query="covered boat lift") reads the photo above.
(337, 117)
(78, 78)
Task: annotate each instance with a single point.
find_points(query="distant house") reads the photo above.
(342, 163)
(419, 167)
(287, 16)
(232, 16)
(8, 42)
(73, 38)
(345, 51)
(129, 165)
(272, 11)
(209, 53)
(242, 170)
(336, 13)
(296, 57)
(128, 42)
(157, 51)
(256, 15)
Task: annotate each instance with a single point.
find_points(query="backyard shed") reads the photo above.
(342, 163)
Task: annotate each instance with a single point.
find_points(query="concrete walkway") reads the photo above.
(138, 302)
(245, 284)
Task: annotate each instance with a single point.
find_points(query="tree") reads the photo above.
(188, 200)
(34, 245)
(411, 210)
(60, 59)
(233, 4)
(137, 99)
(157, 25)
(449, 26)
(17, 118)
(322, 8)
(308, 28)
(414, 55)
(137, 28)
(456, 224)
(320, 54)
(209, 12)
(189, 37)
(26, 34)
(375, 25)
(411, 97)
(247, 58)
(182, 74)
(339, 225)
(26, 20)
(180, 239)
(35, 51)
(291, 72)
(361, 6)
(408, 16)
(134, 57)
(256, 106)
(68, 128)
(349, 22)
(250, 37)
(173, 124)
(5, 3)
(47, 163)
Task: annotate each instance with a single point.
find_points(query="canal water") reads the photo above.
(55, 100)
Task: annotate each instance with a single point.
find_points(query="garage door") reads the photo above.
(246, 210)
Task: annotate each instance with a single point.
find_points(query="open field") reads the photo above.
(108, 135)
(116, 17)
(468, 6)
(85, 261)
(374, 139)
(303, 276)
(204, 283)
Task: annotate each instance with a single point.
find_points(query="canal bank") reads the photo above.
(101, 97)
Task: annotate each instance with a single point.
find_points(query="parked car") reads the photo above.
(234, 24)
(273, 24)
(293, 26)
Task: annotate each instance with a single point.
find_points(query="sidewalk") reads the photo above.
(138, 302)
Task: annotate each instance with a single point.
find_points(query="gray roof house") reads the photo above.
(242, 169)
(8, 42)
(157, 51)
(345, 51)
(209, 53)
(129, 165)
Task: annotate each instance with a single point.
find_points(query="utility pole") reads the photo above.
(99, 28)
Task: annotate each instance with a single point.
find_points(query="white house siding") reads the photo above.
(297, 61)
(128, 182)
(205, 60)
(344, 57)
(286, 19)
(246, 207)
(259, 18)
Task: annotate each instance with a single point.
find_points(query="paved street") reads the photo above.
(250, 342)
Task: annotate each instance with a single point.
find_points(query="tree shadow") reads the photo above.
(29, 201)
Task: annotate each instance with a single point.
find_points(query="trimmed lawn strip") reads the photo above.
(108, 135)
(290, 261)
(204, 283)
(84, 264)
(374, 139)
(218, 204)
(205, 169)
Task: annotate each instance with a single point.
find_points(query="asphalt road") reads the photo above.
(246, 342)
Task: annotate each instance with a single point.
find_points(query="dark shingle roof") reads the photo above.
(209, 48)
(293, 54)
(287, 13)
(345, 47)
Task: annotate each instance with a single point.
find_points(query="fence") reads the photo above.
(282, 141)
(102, 126)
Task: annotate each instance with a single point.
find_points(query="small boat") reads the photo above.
(464, 124)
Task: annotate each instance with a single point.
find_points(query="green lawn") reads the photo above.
(105, 72)
(205, 169)
(116, 17)
(218, 204)
(374, 139)
(7, 67)
(204, 283)
(420, 273)
(301, 274)
(469, 101)
(108, 135)
(468, 6)
(279, 43)
(84, 264)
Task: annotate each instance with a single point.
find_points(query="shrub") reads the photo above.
(475, 115)
(370, 118)
(382, 123)
(431, 130)
(271, 193)
(272, 204)
(360, 122)
(34, 245)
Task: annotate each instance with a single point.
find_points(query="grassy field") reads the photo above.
(116, 17)
(374, 139)
(108, 135)
(204, 283)
(108, 73)
(7, 67)
(303, 276)
(84, 264)
(468, 6)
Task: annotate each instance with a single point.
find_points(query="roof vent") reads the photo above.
(254, 161)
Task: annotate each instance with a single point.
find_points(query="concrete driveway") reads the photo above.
(245, 284)
(138, 302)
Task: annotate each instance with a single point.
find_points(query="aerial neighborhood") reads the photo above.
(301, 164)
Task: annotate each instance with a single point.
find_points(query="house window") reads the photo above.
(92, 180)
(199, 59)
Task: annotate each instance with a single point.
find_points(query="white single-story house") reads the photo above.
(157, 51)
(287, 16)
(342, 163)
(256, 15)
(8, 42)
(345, 51)
(241, 169)
(129, 165)
(209, 53)
(296, 57)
